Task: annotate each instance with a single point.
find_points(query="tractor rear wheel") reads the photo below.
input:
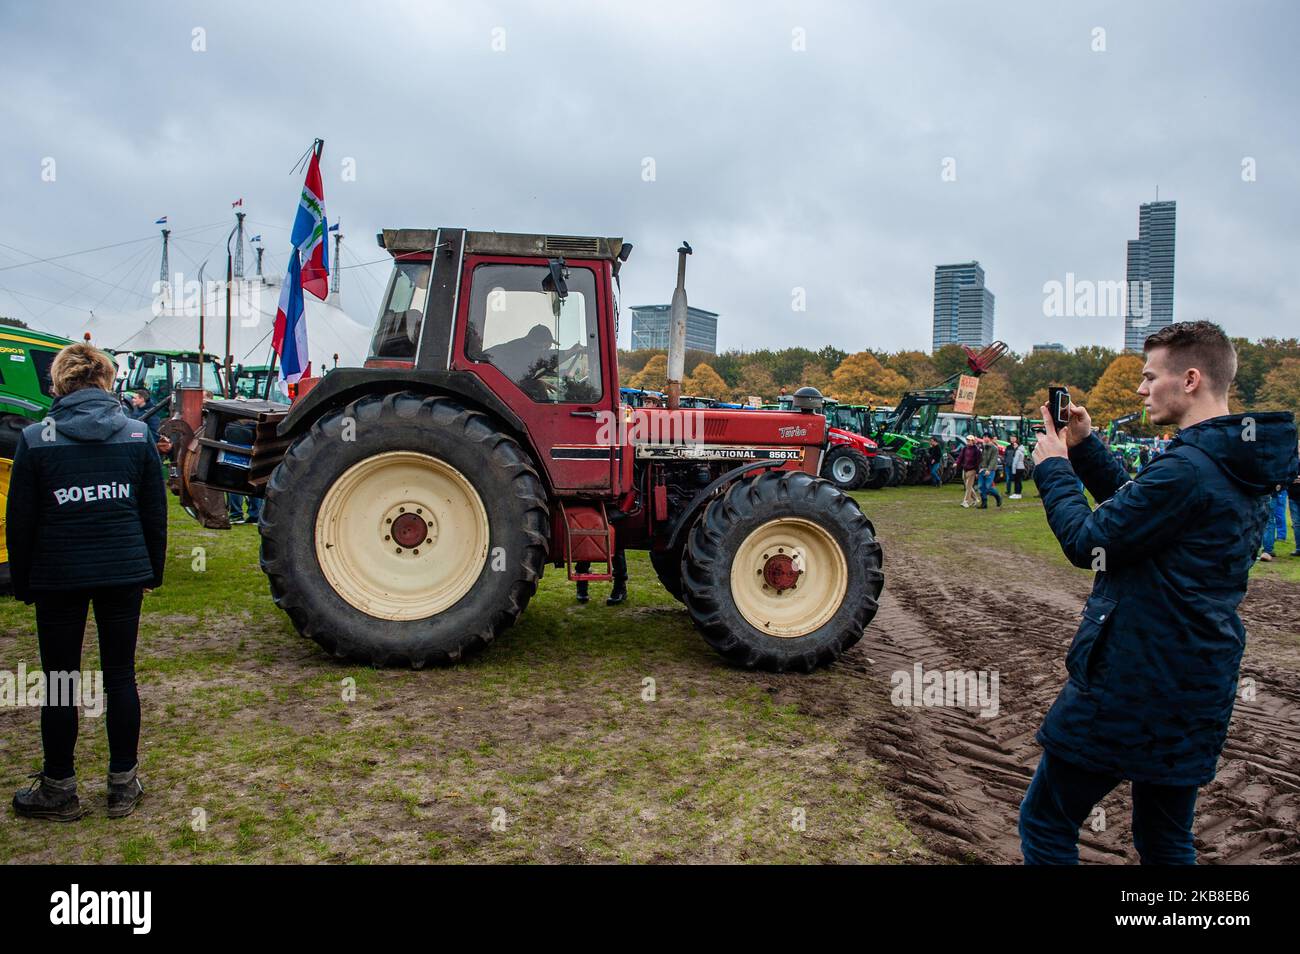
(782, 572)
(668, 567)
(846, 467)
(404, 529)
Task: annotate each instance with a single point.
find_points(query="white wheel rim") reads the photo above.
(843, 469)
(789, 548)
(371, 547)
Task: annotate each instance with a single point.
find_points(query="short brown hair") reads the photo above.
(80, 366)
(1201, 345)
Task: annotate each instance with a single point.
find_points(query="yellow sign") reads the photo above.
(966, 388)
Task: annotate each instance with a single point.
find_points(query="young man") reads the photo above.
(1154, 665)
(934, 457)
(988, 472)
(968, 462)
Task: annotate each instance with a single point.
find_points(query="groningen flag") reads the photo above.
(308, 270)
(309, 230)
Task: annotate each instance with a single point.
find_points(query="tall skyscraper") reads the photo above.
(1149, 302)
(963, 307)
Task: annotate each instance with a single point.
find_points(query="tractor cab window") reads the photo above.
(547, 345)
(398, 332)
(151, 373)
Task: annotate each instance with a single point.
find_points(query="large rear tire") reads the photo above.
(404, 529)
(11, 428)
(668, 567)
(783, 572)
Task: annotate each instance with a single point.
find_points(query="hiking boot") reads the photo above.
(53, 799)
(124, 792)
(618, 594)
(999, 501)
(984, 505)
(582, 591)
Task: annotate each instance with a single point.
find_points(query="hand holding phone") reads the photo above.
(1058, 404)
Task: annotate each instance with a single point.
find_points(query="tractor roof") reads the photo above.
(505, 243)
(13, 334)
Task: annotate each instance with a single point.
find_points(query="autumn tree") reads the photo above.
(1116, 392)
(705, 382)
(814, 375)
(916, 367)
(757, 380)
(994, 396)
(654, 376)
(1281, 388)
(862, 379)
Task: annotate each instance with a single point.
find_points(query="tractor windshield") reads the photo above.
(398, 332)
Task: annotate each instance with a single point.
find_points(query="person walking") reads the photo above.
(1014, 463)
(86, 526)
(1293, 492)
(1155, 663)
(968, 462)
(1275, 526)
(988, 472)
(934, 456)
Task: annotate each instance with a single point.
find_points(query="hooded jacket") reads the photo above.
(1154, 665)
(86, 507)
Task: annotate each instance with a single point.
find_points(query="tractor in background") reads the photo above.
(853, 459)
(411, 505)
(24, 398)
(905, 433)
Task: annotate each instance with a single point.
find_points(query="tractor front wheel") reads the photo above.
(404, 529)
(782, 572)
(846, 467)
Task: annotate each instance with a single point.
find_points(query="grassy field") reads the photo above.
(585, 733)
(250, 751)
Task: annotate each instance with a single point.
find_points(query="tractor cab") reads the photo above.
(162, 372)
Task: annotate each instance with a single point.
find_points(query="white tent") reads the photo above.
(172, 324)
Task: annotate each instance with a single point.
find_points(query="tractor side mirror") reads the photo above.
(554, 282)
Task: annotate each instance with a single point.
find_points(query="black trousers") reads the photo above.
(60, 631)
(618, 566)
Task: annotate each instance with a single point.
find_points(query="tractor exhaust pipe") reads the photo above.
(677, 331)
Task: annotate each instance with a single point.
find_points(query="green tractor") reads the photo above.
(256, 382)
(24, 398)
(162, 372)
(905, 431)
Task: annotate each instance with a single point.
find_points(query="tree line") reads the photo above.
(1268, 376)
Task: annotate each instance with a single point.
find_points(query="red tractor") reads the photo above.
(412, 504)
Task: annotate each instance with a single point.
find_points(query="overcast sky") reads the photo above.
(796, 146)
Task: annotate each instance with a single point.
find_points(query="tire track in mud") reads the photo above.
(959, 778)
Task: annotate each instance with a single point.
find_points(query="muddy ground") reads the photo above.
(958, 778)
(552, 732)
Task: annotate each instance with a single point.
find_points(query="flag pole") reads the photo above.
(202, 296)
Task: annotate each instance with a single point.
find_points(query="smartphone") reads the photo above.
(1058, 405)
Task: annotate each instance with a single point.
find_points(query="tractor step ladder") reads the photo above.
(588, 538)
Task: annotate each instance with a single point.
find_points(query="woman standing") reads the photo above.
(87, 526)
(1014, 464)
